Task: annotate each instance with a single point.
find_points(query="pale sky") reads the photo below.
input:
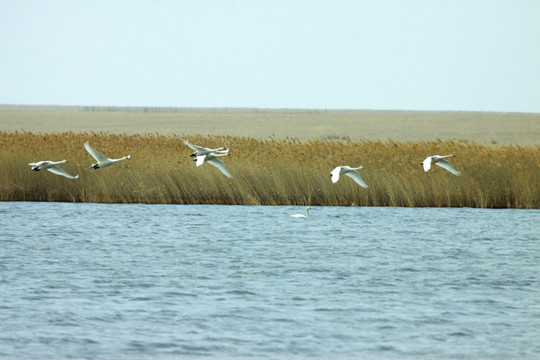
(464, 55)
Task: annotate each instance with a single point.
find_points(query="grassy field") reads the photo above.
(271, 171)
(403, 126)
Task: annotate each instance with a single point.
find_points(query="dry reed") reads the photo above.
(268, 172)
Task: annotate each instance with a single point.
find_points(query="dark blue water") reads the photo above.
(150, 281)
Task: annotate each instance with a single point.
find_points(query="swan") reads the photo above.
(350, 172)
(302, 215)
(439, 161)
(102, 161)
(200, 150)
(212, 158)
(51, 166)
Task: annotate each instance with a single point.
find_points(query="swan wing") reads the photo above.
(200, 160)
(447, 166)
(221, 166)
(195, 147)
(427, 163)
(335, 174)
(221, 151)
(96, 155)
(356, 177)
(56, 170)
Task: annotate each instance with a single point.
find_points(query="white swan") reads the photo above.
(212, 158)
(350, 172)
(439, 161)
(51, 166)
(200, 150)
(302, 215)
(102, 161)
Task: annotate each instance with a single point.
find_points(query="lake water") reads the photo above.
(175, 281)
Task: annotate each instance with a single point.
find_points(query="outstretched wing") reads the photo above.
(335, 175)
(56, 170)
(356, 177)
(427, 164)
(96, 155)
(221, 151)
(200, 160)
(195, 147)
(447, 166)
(221, 166)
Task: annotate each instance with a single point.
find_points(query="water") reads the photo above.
(150, 281)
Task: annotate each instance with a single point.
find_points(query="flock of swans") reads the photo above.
(203, 154)
(355, 175)
(102, 161)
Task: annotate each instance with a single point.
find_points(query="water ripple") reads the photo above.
(257, 284)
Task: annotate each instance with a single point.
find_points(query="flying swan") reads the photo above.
(102, 161)
(439, 161)
(200, 150)
(350, 172)
(302, 215)
(51, 166)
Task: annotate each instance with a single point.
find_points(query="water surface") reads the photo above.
(174, 281)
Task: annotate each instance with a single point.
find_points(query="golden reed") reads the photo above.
(268, 172)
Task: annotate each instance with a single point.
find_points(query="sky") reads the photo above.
(458, 55)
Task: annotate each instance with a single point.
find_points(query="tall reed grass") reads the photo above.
(268, 172)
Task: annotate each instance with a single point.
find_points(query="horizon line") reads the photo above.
(224, 109)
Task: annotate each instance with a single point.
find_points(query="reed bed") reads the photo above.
(268, 172)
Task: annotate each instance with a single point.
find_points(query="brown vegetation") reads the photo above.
(357, 125)
(268, 172)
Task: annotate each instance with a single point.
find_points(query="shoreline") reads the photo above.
(269, 205)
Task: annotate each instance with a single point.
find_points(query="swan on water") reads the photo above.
(51, 166)
(350, 172)
(302, 215)
(102, 161)
(201, 150)
(439, 161)
(212, 158)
